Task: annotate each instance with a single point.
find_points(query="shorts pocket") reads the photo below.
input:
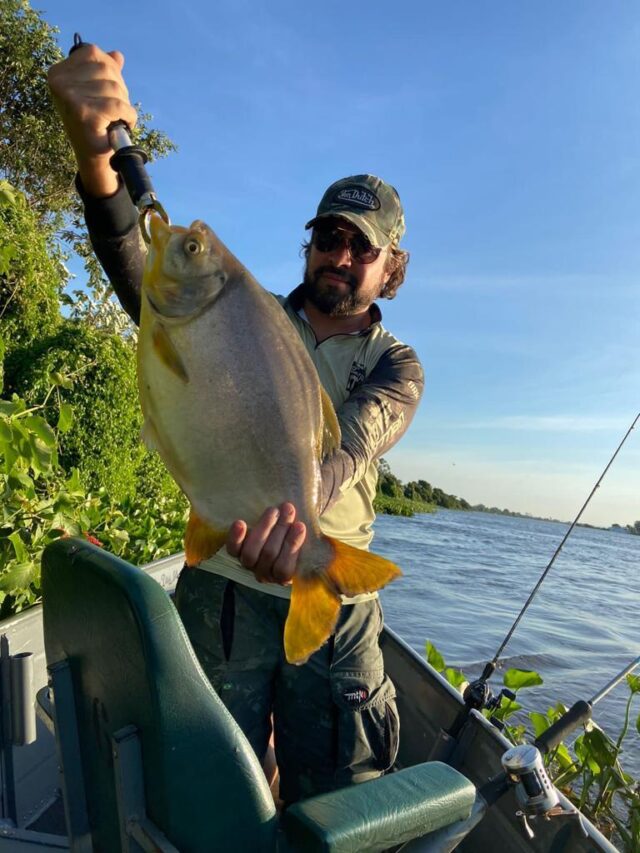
(368, 726)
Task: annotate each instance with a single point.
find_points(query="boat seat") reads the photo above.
(151, 758)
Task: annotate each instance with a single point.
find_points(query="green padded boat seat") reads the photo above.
(131, 664)
(377, 815)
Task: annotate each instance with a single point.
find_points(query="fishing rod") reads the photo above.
(524, 772)
(478, 695)
(129, 161)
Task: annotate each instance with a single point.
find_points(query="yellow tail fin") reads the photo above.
(201, 540)
(315, 600)
(313, 614)
(353, 571)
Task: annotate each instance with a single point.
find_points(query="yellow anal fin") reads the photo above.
(353, 571)
(201, 540)
(166, 351)
(330, 436)
(312, 618)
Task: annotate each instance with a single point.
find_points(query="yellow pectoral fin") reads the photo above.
(330, 435)
(313, 614)
(354, 572)
(201, 540)
(166, 351)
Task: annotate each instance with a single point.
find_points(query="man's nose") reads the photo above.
(342, 255)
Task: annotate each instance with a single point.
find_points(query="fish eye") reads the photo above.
(192, 246)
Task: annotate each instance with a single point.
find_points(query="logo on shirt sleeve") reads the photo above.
(356, 376)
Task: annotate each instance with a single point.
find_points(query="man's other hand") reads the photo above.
(271, 548)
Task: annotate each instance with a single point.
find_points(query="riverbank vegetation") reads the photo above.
(71, 460)
(589, 771)
(395, 498)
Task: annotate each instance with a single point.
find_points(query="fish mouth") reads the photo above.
(160, 232)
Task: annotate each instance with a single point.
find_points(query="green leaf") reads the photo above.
(65, 418)
(20, 479)
(41, 456)
(638, 724)
(455, 677)
(19, 547)
(7, 194)
(74, 484)
(42, 429)
(563, 757)
(10, 407)
(19, 575)
(434, 657)
(5, 431)
(634, 683)
(517, 679)
(600, 747)
(540, 723)
(61, 380)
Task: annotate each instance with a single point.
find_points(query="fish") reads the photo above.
(233, 404)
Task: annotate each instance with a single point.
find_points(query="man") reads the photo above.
(334, 717)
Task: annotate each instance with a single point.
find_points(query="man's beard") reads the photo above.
(330, 300)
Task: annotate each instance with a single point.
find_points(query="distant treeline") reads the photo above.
(397, 498)
(417, 491)
(627, 528)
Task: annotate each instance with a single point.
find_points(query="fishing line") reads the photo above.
(602, 693)
(534, 591)
(477, 694)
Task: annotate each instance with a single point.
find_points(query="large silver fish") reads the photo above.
(233, 404)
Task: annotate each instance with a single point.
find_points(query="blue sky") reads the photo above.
(511, 131)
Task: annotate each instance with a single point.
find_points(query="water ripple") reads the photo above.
(467, 574)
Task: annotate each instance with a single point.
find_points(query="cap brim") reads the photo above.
(376, 237)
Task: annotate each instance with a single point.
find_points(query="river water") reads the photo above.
(466, 577)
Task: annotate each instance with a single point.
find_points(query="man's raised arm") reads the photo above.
(89, 94)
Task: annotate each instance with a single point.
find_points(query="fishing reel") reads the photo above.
(534, 790)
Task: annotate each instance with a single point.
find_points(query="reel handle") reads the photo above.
(580, 712)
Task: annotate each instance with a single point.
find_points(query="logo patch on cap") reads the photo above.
(359, 197)
(356, 697)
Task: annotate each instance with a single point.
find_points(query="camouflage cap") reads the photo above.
(368, 203)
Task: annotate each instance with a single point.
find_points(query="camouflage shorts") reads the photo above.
(335, 717)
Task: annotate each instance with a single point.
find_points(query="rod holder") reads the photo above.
(23, 712)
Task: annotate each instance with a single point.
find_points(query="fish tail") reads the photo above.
(354, 571)
(201, 540)
(315, 599)
(313, 613)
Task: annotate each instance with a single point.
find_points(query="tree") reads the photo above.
(40, 221)
(32, 274)
(35, 155)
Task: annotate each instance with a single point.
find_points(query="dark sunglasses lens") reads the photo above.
(362, 250)
(328, 240)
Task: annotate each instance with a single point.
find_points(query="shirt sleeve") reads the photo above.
(372, 419)
(112, 223)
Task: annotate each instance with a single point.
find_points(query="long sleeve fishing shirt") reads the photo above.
(374, 381)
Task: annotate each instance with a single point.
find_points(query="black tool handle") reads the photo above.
(129, 161)
(556, 733)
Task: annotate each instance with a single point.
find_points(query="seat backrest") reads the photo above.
(132, 664)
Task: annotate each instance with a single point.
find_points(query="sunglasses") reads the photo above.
(331, 239)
